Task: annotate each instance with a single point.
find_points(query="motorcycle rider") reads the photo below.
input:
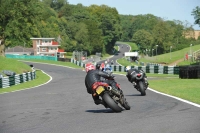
(108, 69)
(95, 75)
(98, 66)
(130, 72)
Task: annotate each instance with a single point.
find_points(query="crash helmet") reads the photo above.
(89, 67)
(107, 66)
(128, 68)
(98, 66)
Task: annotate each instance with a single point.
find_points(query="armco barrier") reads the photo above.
(16, 79)
(148, 69)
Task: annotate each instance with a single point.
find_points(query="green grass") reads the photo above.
(69, 64)
(19, 67)
(41, 78)
(163, 58)
(187, 89)
(13, 65)
(180, 54)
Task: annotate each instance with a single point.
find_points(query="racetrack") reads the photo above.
(122, 49)
(64, 106)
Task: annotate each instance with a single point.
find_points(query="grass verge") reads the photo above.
(187, 89)
(68, 64)
(41, 78)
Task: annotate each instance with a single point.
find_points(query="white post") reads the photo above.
(156, 49)
(170, 52)
(152, 52)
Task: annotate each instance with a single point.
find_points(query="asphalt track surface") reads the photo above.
(64, 106)
(122, 49)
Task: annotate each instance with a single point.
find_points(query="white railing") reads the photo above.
(196, 54)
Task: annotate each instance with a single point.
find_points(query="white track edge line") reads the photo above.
(177, 98)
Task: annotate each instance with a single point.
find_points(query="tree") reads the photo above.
(196, 14)
(109, 22)
(18, 21)
(143, 39)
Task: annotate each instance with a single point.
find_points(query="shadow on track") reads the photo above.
(134, 95)
(100, 111)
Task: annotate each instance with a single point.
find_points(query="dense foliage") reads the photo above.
(150, 32)
(92, 29)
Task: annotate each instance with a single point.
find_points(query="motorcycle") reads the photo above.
(140, 81)
(112, 98)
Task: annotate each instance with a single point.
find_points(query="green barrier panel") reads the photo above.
(147, 69)
(120, 68)
(176, 70)
(165, 70)
(156, 69)
(54, 58)
(1, 83)
(27, 79)
(11, 80)
(21, 78)
(139, 68)
(115, 68)
(31, 75)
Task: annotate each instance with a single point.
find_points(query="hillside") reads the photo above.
(13, 65)
(173, 58)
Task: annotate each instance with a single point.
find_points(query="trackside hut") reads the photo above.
(133, 55)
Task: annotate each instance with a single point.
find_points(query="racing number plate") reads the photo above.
(99, 90)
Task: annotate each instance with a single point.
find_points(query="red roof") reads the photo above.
(61, 50)
(54, 43)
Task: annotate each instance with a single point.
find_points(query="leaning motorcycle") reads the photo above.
(112, 98)
(140, 81)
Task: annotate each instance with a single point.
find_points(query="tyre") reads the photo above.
(142, 88)
(111, 103)
(126, 104)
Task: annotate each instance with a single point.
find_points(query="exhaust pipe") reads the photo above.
(109, 88)
(116, 92)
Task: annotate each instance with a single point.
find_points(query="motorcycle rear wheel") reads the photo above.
(142, 88)
(111, 103)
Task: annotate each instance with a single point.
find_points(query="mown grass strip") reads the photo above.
(187, 89)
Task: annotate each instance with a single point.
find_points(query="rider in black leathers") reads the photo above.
(96, 76)
(130, 77)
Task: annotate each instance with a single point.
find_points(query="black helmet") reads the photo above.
(98, 66)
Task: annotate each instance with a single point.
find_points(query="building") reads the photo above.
(192, 34)
(47, 47)
(19, 50)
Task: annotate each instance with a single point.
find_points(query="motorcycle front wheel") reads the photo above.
(111, 103)
(142, 88)
(126, 104)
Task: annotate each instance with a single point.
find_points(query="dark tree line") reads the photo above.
(92, 29)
